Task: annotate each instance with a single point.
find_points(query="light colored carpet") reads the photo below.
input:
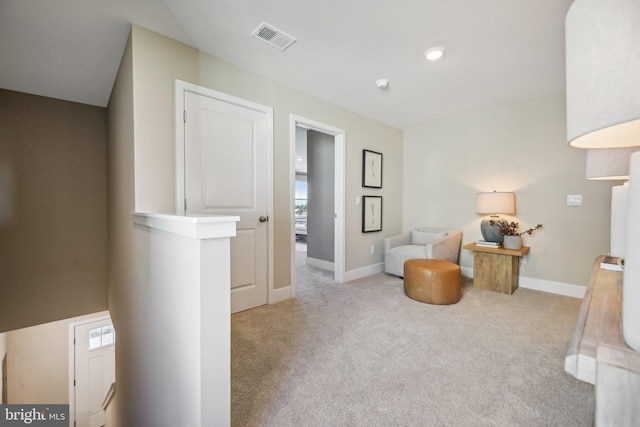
(363, 354)
(308, 277)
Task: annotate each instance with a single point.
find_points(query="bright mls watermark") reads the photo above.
(34, 415)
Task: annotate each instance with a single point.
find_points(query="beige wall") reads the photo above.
(158, 61)
(141, 177)
(518, 148)
(126, 303)
(53, 215)
(38, 362)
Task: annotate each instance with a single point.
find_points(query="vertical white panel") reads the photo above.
(619, 207)
(228, 153)
(631, 279)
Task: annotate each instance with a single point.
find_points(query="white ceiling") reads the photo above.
(498, 51)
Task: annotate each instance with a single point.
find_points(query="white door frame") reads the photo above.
(340, 139)
(103, 315)
(180, 88)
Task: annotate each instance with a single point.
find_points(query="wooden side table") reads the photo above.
(496, 269)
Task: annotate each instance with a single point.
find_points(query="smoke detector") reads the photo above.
(272, 36)
(382, 83)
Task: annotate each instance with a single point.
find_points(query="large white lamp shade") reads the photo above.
(603, 73)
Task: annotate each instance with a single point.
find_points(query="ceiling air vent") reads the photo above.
(273, 36)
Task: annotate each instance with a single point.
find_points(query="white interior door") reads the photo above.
(94, 370)
(226, 172)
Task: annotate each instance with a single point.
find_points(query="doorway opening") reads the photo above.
(317, 203)
(92, 343)
(314, 208)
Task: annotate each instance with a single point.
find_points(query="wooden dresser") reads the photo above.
(598, 354)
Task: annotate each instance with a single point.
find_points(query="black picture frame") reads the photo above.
(371, 169)
(371, 214)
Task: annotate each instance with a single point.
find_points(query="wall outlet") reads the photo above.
(357, 200)
(523, 259)
(373, 249)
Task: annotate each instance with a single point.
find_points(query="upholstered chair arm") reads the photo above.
(397, 240)
(446, 248)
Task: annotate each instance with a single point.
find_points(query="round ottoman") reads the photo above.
(432, 281)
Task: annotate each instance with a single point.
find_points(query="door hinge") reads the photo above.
(184, 115)
(74, 382)
(185, 205)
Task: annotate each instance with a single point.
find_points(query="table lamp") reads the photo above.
(613, 164)
(492, 204)
(603, 111)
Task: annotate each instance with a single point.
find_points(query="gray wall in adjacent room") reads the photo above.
(320, 204)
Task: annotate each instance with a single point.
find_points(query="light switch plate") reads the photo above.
(574, 200)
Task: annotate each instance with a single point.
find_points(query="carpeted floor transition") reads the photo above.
(363, 354)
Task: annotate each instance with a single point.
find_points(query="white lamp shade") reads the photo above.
(609, 164)
(496, 203)
(603, 77)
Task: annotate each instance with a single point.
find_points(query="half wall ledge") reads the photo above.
(194, 226)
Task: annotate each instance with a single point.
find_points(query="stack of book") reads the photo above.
(486, 244)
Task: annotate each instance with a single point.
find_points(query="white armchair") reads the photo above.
(423, 243)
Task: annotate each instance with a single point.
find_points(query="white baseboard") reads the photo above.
(363, 272)
(466, 272)
(549, 286)
(559, 288)
(321, 264)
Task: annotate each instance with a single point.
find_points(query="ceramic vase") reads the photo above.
(512, 242)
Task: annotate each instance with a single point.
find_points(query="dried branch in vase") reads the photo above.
(511, 228)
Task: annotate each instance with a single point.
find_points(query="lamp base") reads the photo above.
(619, 207)
(491, 233)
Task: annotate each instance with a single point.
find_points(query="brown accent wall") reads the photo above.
(53, 210)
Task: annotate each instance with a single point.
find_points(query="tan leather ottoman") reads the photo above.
(432, 281)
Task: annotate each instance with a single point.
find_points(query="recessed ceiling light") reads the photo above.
(434, 53)
(382, 83)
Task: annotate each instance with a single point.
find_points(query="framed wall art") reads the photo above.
(371, 169)
(371, 213)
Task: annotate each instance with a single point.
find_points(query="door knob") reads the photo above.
(263, 219)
